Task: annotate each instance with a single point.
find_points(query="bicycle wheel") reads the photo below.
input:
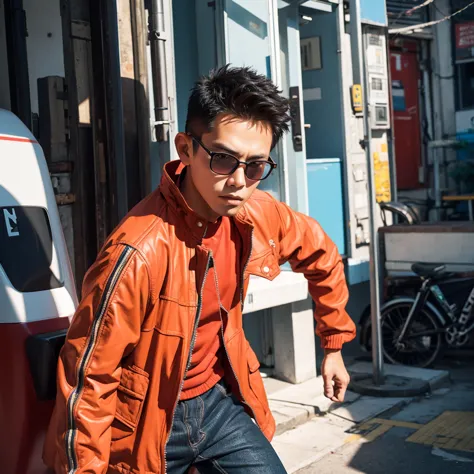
(419, 351)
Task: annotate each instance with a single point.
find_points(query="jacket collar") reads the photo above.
(172, 194)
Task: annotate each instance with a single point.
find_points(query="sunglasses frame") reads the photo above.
(212, 154)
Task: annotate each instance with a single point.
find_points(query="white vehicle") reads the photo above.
(37, 297)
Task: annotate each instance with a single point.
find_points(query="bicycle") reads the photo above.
(416, 329)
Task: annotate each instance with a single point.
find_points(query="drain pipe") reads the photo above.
(156, 28)
(17, 59)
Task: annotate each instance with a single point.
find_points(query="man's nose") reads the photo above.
(238, 178)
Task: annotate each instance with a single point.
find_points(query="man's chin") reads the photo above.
(228, 211)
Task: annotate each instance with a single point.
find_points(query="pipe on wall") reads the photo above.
(157, 37)
(16, 34)
(114, 105)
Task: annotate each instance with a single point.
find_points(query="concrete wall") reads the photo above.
(444, 110)
(442, 67)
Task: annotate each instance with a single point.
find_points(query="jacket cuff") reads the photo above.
(334, 341)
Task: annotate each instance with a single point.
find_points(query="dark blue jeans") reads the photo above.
(214, 433)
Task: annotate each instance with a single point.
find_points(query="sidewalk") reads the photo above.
(309, 426)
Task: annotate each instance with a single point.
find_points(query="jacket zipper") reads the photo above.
(191, 348)
(193, 339)
(243, 272)
(71, 433)
(225, 347)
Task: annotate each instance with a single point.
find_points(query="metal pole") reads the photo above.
(391, 132)
(158, 66)
(114, 106)
(377, 352)
(436, 183)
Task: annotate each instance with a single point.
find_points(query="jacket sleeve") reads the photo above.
(104, 330)
(310, 251)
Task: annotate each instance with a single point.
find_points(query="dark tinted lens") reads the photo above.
(222, 163)
(258, 170)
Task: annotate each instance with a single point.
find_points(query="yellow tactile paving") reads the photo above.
(400, 424)
(450, 430)
(368, 433)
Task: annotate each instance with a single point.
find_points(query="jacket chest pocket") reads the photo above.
(131, 395)
(264, 264)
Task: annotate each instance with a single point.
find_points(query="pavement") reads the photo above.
(374, 434)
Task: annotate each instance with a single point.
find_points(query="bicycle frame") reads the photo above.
(430, 287)
(420, 300)
(466, 314)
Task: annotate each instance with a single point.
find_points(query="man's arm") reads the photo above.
(104, 330)
(310, 251)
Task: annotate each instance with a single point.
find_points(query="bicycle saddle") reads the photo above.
(428, 270)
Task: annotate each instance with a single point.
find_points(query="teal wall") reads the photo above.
(194, 46)
(186, 59)
(323, 139)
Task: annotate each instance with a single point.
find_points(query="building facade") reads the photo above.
(104, 87)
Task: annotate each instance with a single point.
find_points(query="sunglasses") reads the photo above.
(226, 164)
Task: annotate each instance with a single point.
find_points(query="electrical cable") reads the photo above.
(413, 28)
(411, 10)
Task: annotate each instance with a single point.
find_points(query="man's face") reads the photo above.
(224, 195)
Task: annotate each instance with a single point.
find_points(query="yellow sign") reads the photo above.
(382, 176)
(356, 95)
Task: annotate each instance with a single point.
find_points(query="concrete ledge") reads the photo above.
(369, 407)
(287, 287)
(293, 405)
(435, 378)
(288, 416)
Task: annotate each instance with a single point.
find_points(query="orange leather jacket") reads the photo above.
(128, 347)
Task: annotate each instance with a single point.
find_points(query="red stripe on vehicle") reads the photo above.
(17, 139)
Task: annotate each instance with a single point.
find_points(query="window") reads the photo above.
(377, 84)
(311, 53)
(463, 42)
(26, 248)
(465, 73)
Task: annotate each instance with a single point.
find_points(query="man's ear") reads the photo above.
(184, 147)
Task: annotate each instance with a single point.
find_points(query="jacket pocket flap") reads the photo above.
(252, 360)
(134, 382)
(131, 395)
(264, 265)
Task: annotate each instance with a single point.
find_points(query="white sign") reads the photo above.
(11, 223)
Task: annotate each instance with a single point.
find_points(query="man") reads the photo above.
(156, 374)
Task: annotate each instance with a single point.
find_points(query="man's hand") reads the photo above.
(335, 376)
